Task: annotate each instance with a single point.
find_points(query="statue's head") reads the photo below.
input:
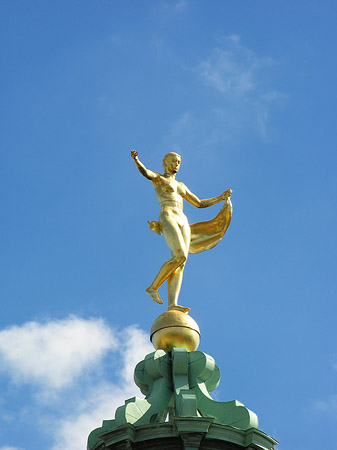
(171, 162)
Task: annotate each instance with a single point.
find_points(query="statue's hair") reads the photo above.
(166, 157)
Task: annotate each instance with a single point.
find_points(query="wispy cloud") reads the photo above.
(69, 410)
(181, 5)
(240, 77)
(10, 448)
(327, 406)
(232, 69)
(239, 102)
(173, 6)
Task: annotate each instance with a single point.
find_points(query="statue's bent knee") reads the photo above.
(181, 259)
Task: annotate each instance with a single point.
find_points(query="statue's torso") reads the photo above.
(170, 194)
(169, 190)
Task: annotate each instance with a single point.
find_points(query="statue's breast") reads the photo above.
(168, 186)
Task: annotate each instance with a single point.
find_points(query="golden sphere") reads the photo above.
(175, 329)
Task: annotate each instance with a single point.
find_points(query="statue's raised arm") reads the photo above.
(142, 169)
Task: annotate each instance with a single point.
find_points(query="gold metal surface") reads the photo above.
(181, 238)
(175, 329)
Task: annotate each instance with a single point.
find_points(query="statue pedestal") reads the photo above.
(178, 411)
(175, 329)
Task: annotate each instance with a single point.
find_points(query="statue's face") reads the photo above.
(173, 163)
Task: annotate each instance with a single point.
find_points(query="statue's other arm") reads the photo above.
(194, 200)
(142, 169)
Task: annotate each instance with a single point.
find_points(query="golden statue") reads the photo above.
(181, 237)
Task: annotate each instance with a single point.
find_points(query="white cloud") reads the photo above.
(71, 432)
(51, 356)
(101, 401)
(54, 353)
(135, 346)
(10, 448)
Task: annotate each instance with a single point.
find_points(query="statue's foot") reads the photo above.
(179, 308)
(153, 293)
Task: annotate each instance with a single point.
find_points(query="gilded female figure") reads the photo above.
(174, 226)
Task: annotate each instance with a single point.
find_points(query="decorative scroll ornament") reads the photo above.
(176, 384)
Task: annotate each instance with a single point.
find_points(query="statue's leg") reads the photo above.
(165, 271)
(175, 240)
(174, 285)
(175, 279)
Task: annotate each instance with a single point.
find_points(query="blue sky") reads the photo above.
(245, 91)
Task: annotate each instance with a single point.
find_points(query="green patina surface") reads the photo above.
(177, 384)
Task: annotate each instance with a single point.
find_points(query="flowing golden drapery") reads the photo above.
(206, 235)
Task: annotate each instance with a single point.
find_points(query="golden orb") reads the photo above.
(175, 329)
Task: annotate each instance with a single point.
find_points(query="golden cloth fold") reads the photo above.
(206, 235)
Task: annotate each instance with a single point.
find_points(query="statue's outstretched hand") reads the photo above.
(227, 194)
(134, 154)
